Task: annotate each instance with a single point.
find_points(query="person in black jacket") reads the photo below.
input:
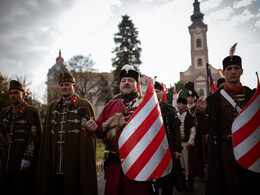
(215, 116)
(172, 128)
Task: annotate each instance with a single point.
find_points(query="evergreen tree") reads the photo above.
(4, 92)
(179, 86)
(169, 95)
(127, 50)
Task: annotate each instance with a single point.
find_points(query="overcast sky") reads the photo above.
(33, 31)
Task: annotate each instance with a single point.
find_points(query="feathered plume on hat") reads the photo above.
(232, 51)
(129, 71)
(232, 59)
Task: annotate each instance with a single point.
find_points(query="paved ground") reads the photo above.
(101, 183)
(199, 187)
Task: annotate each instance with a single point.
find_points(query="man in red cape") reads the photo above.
(109, 126)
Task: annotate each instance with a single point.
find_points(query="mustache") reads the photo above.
(126, 86)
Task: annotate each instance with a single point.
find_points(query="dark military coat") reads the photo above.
(3, 151)
(172, 128)
(224, 174)
(64, 127)
(24, 131)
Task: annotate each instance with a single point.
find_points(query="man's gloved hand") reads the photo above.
(25, 164)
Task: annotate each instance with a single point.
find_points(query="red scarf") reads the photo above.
(233, 90)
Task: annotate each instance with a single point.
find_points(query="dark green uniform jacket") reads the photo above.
(3, 152)
(24, 131)
(64, 140)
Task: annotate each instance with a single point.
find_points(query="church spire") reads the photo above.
(197, 16)
(60, 59)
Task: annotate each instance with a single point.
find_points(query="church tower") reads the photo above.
(197, 72)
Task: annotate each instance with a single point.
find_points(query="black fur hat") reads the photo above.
(220, 81)
(129, 71)
(157, 86)
(182, 100)
(232, 60)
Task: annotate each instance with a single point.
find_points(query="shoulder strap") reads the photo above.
(230, 100)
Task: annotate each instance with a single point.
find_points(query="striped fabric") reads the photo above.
(143, 145)
(246, 134)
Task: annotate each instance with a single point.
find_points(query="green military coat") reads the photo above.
(3, 151)
(24, 131)
(79, 164)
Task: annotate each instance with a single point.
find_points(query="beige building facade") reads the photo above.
(99, 87)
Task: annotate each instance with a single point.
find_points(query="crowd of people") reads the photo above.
(58, 157)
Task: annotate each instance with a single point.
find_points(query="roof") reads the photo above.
(55, 66)
(197, 16)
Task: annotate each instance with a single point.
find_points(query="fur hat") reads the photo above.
(190, 94)
(182, 100)
(232, 59)
(129, 71)
(16, 85)
(157, 86)
(66, 77)
(220, 81)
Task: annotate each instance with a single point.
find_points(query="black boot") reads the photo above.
(190, 184)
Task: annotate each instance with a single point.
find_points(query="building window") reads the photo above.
(201, 92)
(56, 76)
(198, 43)
(199, 62)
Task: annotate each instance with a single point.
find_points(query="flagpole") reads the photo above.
(207, 83)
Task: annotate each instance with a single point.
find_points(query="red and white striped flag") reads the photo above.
(143, 145)
(246, 134)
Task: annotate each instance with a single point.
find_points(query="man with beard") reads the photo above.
(23, 126)
(109, 126)
(67, 163)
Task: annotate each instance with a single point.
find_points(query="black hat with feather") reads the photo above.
(129, 71)
(232, 59)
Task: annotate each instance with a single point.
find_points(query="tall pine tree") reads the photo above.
(127, 50)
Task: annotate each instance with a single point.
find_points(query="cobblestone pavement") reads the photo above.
(199, 186)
